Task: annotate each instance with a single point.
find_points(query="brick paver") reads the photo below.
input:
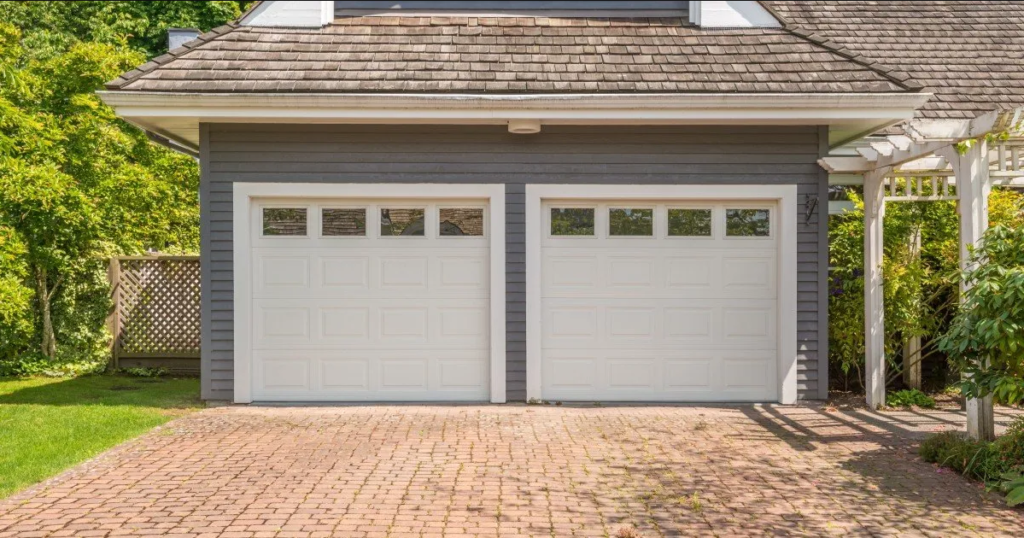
(517, 470)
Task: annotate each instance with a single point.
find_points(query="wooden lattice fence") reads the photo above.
(155, 321)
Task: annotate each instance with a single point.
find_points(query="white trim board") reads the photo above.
(177, 115)
(784, 195)
(245, 193)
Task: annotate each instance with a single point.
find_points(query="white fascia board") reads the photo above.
(732, 14)
(296, 14)
(404, 108)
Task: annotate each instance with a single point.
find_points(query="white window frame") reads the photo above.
(247, 195)
(784, 228)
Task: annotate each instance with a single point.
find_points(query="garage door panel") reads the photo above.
(658, 318)
(751, 274)
(383, 273)
(691, 273)
(345, 324)
(631, 373)
(371, 375)
(371, 317)
(690, 324)
(459, 273)
(577, 272)
(282, 273)
(282, 324)
(463, 323)
(629, 324)
(690, 374)
(344, 374)
(630, 272)
(659, 323)
(286, 374)
(578, 323)
(406, 273)
(351, 273)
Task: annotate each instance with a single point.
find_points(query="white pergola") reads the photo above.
(921, 165)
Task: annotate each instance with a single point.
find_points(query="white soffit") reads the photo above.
(732, 14)
(301, 14)
(177, 115)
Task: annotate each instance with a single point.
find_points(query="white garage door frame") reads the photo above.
(783, 195)
(246, 194)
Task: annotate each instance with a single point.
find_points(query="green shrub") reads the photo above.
(907, 398)
(145, 372)
(999, 464)
(986, 338)
(37, 364)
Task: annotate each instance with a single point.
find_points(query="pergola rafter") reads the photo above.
(925, 164)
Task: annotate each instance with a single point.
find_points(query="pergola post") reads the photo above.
(874, 322)
(973, 187)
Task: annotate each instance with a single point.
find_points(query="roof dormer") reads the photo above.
(709, 14)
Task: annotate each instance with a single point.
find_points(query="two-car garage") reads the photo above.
(385, 293)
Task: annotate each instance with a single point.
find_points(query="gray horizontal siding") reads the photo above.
(489, 154)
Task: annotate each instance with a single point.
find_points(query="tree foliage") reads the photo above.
(78, 185)
(986, 338)
(920, 290)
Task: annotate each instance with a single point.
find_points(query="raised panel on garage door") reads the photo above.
(659, 301)
(370, 300)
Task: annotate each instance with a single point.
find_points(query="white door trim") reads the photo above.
(245, 193)
(784, 195)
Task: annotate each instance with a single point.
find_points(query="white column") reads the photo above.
(973, 188)
(874, 322)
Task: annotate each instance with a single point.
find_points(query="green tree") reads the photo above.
(986, 338)
(920, 292)
(52, 27)
(78, 185)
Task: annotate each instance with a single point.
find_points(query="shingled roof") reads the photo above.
(438, 54)
(969, 54)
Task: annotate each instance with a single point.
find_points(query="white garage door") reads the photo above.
(370, 300)
(659, 302)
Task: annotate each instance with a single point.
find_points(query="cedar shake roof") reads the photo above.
(438, 54)
(969, 54)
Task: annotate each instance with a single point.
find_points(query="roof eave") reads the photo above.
(850, 112)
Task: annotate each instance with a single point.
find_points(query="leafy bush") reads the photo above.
(907, 398)
(921, 291)
(37, 364)
(986, 338)
(999, 463)
(145, 372)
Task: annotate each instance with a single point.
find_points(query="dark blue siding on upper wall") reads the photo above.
(489, 154)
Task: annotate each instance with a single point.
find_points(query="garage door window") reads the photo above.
(336, 222)
(284, 221)
(689, 222)
(575, 221)
(460, 221)
(631, 222)
(402, 222)
(747, 223)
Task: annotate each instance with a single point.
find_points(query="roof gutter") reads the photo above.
(705, 106)
(176, 116)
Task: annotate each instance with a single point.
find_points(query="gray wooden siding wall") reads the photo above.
(489, 154)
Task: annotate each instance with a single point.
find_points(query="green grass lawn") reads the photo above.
(48, 425)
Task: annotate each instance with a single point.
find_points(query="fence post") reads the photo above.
(114, 319)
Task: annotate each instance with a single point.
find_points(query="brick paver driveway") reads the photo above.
(517, 470)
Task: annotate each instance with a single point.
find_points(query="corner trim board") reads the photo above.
(243, 196)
